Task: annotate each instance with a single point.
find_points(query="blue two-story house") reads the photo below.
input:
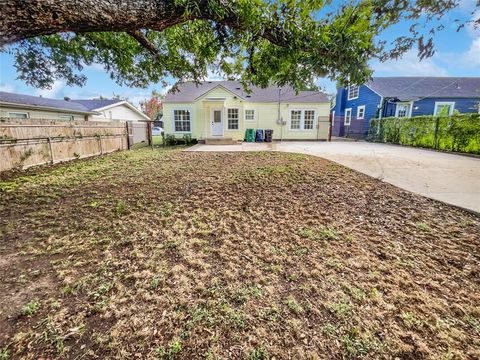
(383, 97)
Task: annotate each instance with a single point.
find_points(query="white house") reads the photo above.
(36, 107)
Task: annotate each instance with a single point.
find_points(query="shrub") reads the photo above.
(459, 132)
(172, 140)
(169, 139)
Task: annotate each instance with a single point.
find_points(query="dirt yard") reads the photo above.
(166, 254)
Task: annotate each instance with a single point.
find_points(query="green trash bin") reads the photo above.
(250, 135)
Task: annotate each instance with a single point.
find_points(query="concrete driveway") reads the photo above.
(453, 179)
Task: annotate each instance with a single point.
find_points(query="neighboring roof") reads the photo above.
(80, 106)
(97, 103)
(189, 91)
(41, 102)
(413, 87)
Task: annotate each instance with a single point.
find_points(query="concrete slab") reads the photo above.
(450, 178)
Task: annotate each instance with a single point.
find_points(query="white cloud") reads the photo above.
(471, 58)
(7, 88)
(57, 86)
(409, 65)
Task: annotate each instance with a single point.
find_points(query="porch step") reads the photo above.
(220, 141)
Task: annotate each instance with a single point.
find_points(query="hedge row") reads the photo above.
(460, 133)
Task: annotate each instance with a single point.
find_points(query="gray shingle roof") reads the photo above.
(85, 106)
(413, 87)
(96, 103)
(189, 91)
(42, 102)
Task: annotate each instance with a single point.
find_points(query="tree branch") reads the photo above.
(142, 40)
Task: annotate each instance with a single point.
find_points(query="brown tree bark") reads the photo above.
(23, 19)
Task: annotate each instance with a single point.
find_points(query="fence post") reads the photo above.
(435, 134)
(128, 135)
(100, 143)
(50, 148)
(330, 127)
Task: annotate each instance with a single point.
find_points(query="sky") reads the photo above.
(457, 54)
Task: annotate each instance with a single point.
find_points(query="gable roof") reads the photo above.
(95, 104)
(41, 102)
(416, 87)
(189, 91)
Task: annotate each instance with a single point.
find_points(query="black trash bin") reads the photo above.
(268, 135)
(259, 135)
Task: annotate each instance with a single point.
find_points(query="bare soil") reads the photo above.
(166, 254)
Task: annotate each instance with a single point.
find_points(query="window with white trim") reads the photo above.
(249, 115)
(232, 119)
(302, 119)
(18, 115)
(348, 116)
(402, 110)
(353, 92)
(443, 108)
(361, 112)
(182, 120)
(295, 119)
(308, 119)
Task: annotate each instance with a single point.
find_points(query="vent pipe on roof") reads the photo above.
(66, 98)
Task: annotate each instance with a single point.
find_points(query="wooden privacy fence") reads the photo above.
(25, 143)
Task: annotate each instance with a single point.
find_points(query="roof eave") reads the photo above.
(49, 108)
(126, 103)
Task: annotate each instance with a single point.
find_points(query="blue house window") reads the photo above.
(353, 92)
(444, 108)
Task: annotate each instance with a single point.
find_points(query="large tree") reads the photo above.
(258, 41)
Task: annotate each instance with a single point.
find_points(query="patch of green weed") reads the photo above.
(258, 354)
(341, 309)
(320, 233)
(422, 226)
(170, 351)
(294, 305)
(30, 308)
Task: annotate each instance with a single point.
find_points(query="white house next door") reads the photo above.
(217, 122)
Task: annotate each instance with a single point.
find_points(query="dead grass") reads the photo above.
(164, 254)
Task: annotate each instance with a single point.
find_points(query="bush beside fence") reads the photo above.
(459, 133)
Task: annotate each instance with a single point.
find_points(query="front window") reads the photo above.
(353, 92)
(18, 115)
(182, 120)
(444, 108)
(232, 119)
(66, 117)
(348, 116)
(295, 119)
(249, 115)
(302, 119)
(308, 119)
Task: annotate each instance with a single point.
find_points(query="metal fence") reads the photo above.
(349, 127)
